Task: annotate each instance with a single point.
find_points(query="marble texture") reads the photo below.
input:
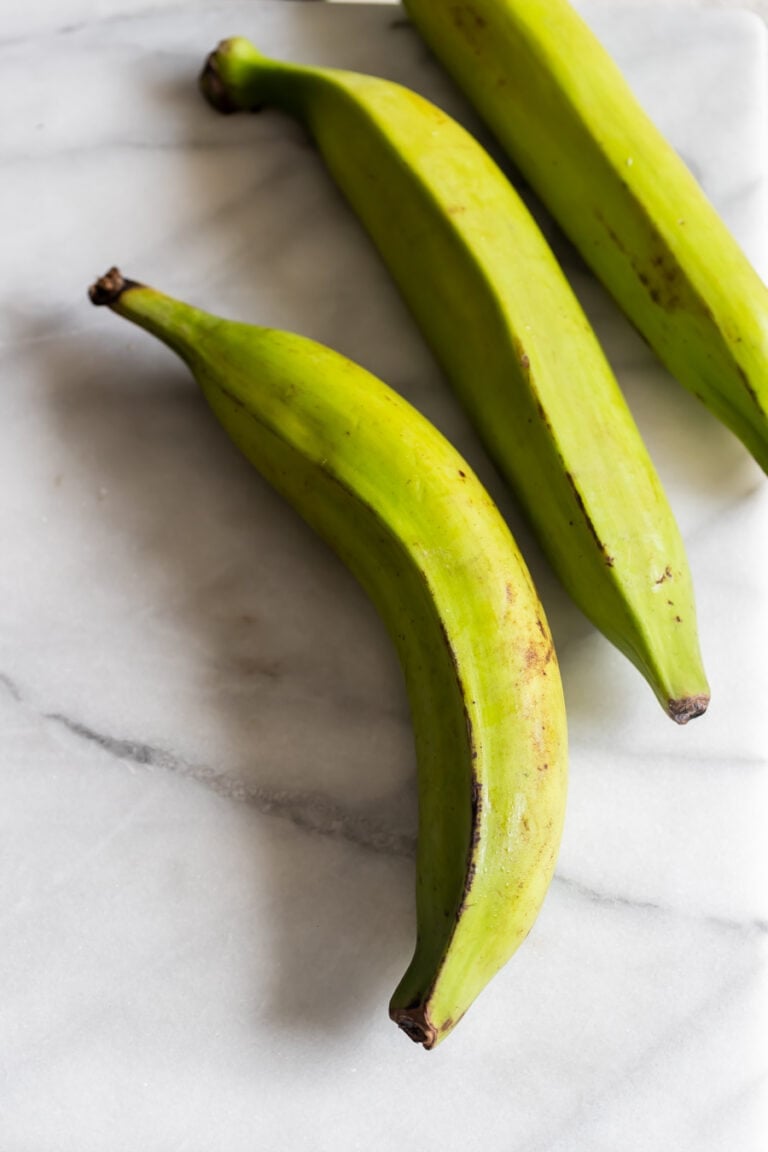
(207, 791)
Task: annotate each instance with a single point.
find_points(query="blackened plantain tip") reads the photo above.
(416, 1024)
(688, 708)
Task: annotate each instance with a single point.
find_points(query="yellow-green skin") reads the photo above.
(407, 515)
(501, 317)
(562, 109)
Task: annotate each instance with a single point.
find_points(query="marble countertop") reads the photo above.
(207, 791)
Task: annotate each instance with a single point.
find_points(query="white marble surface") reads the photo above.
(207, 788)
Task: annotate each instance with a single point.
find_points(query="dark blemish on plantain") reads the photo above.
(616, 239)
(522, 357)
(477, 807)
(678, 619)
(542, 414)
(666, 575)
(468, 22)
(608, 558)
(747, 385)
(462, 474)
(665, 265)
(542, 767)
(538, 656)
(478, 20)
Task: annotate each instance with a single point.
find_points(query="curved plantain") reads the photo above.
(562, 109)
(406, 514)
(496, 308)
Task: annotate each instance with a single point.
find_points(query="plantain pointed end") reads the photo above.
(109, 288)
(687, 708)
(213, 87)
(416, 1024)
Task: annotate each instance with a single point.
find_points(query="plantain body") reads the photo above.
(565, 114)
(406, 514)
(498, 312)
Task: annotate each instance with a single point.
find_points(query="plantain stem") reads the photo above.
(109, 288)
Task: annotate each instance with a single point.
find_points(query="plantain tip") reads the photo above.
(687, 708)
(416, 1024)
(109, 288)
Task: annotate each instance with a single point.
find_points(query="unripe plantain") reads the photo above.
(563, 111)
(500, 315)
(407, 515)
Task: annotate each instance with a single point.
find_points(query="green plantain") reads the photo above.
(511, 336)
(406, 514)
(562, 109)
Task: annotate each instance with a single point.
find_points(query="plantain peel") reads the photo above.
(406, 514)
(563, 111)
(500, 316)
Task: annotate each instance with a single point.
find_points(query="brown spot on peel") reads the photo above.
(579, 500)
(750, 390)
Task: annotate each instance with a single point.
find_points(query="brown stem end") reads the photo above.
(213, 87)
(109, 288)
(687, 708)
(416, 1024)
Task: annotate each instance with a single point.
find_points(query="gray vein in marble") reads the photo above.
(317, 814)
(163, 145)
(72, 27)
(313, 813)
(320, 816)
(11, 687)
(615, 900)
(681, 760)
(308, 811)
